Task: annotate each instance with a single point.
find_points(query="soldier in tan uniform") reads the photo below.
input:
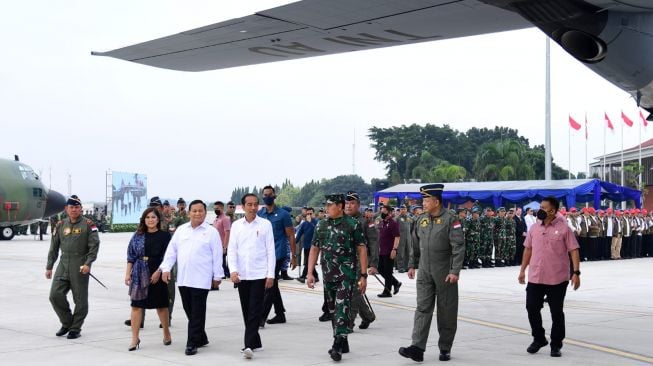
(78, 240)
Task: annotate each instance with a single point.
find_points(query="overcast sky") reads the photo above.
(202, 134)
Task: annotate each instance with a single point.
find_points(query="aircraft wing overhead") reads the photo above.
(311, 28)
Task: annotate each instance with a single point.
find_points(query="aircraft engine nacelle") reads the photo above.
(583, 46)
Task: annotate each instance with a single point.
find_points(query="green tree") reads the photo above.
(503, 160)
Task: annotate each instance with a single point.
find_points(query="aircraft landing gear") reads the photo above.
(7, 233)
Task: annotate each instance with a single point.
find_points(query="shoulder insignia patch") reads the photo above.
(424, 222)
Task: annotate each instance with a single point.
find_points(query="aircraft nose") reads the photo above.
(56, 203)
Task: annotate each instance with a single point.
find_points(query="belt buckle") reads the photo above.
(146, 258)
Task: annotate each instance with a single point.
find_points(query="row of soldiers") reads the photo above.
(611, 234)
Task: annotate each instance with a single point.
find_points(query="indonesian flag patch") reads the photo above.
(456, 225)
(93, 228)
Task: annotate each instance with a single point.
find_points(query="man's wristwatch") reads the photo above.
(364, 275)
(577, 273)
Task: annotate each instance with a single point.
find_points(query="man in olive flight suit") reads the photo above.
(78, 240)
(405, 240)
(442, 247)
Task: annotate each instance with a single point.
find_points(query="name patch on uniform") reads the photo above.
(424, 223)
(77, 230)
(66, 231)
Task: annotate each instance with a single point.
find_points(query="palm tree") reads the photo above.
(503, 160)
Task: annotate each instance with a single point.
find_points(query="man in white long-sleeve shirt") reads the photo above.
(252, 259)
(197, 250)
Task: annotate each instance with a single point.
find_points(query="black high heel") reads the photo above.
(134, 348)
(167, 342)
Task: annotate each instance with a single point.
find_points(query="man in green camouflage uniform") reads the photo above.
(78, 240)
(487, 237)
(511, 239)
(500, 237)
(473, 238)
(181, 216)
(340, 239)
(359, 302)
(462, 216)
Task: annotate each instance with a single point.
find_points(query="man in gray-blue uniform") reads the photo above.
(442, 247)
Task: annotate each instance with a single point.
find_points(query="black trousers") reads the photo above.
(385, 269)
(594, 248)
(225, 265)
(251, 295)
(607, 243)
(625, 246)
(194, 301)
(555, 295)
(583, 243)
(305, 270)
(273, 295)
(519, 252)
(636, 248)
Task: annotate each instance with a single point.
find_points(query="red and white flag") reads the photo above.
(627, 121)
(607, 120)
(575, 125)
(644, 121)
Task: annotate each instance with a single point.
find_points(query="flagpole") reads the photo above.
(640, 155)
(587, 169)
(605, 128)
(569, 146)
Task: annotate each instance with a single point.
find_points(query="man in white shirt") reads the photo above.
(529, 219)
(197, 250)
(252, 260)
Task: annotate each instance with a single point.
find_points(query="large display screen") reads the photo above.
(129, 197)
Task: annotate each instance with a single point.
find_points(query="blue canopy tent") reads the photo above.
(571, 191)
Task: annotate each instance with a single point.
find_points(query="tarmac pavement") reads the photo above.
(609, 319)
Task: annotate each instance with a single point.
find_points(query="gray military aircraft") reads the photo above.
(614, 38)
(24, 198)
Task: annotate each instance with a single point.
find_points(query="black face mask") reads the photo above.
(218, 212)
(541, 214)
(384, 215)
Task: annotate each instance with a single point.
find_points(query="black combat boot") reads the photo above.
(336, 349)
(345, 346)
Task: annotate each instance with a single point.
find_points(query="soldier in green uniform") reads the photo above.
(359, 302)
(473, 238)
(405, 238)
(487, 237)
(511, 239)
(461, 212)
(500, 237)
(79, 242)
(340, 240)
(181, 216)
(442, 246)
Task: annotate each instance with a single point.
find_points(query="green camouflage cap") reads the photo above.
(334, 198)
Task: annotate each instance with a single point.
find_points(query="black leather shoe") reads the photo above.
(364, 324)
(62, 331)
(397, 286)
(445, 356)
(345, 347)
(73, 334)
(301, 279)
(384, 294)
(278, 319)
(284, 276)
(555, 352)
(535, 346)
(325, 317)
(413, 352)
(190, 350)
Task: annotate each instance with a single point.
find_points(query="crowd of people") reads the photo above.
(178, 249)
